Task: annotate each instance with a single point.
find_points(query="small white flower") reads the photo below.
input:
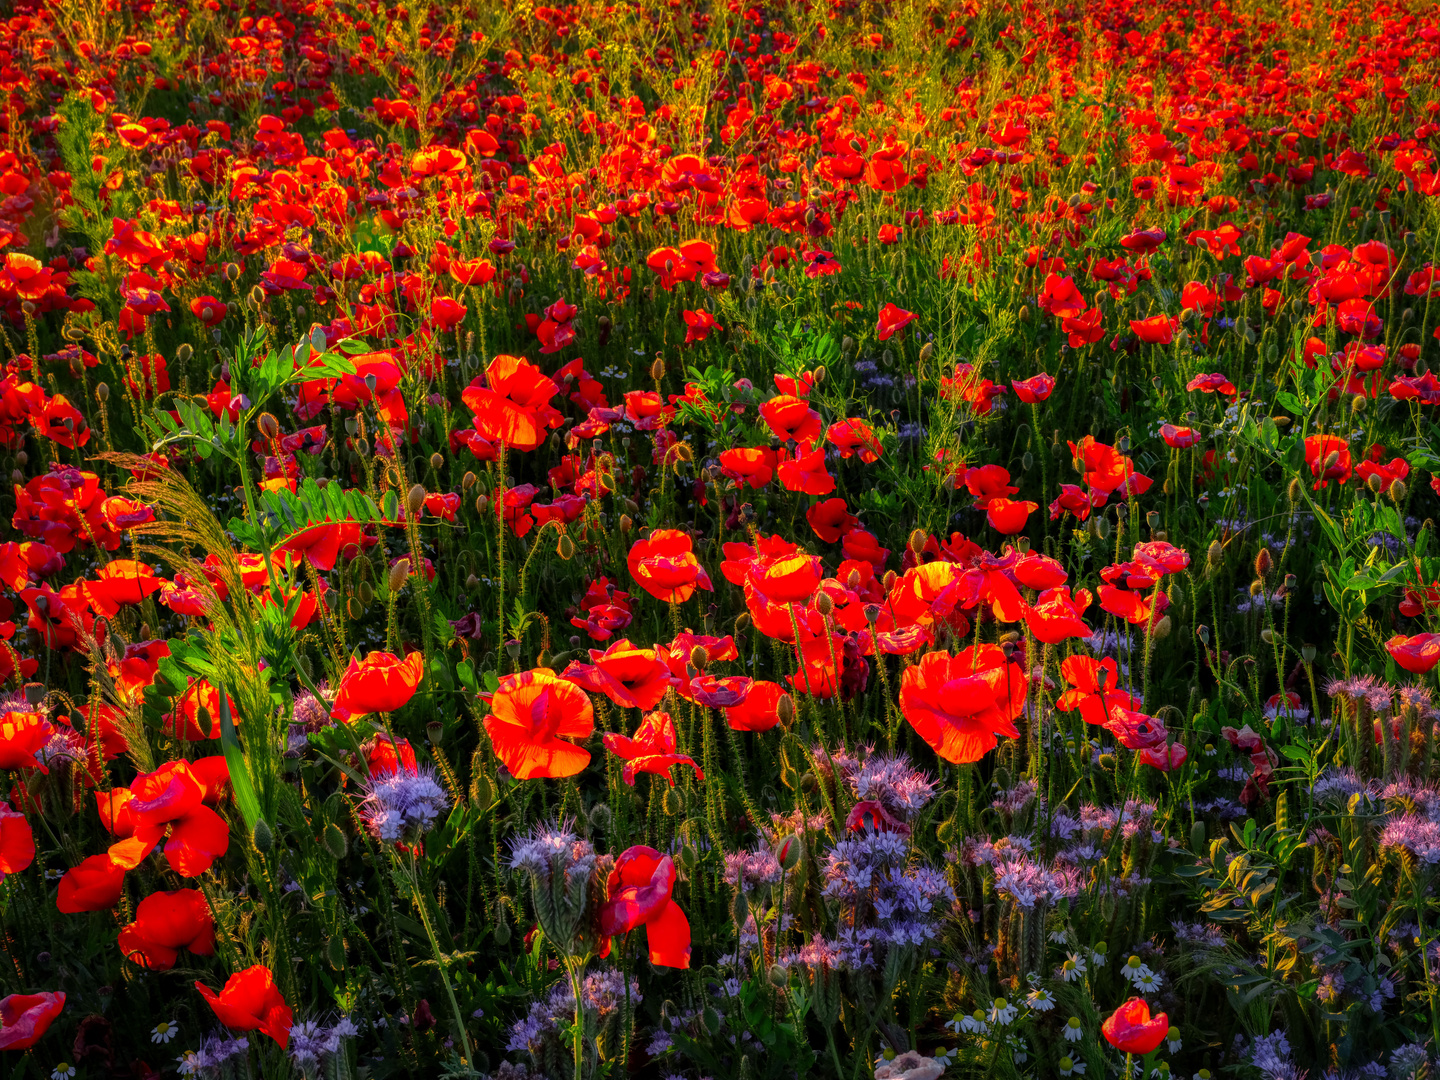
(1133, 969)
(1073, 1030)
(956, 1023)
(975, 1023)
(1098, 955)
(1002, 1012)
(1061, 936)
(164, 1031)
(1041, 1000)
(1070, 1067)
(1203, 1074)
(1173, 1042)
(1073, 968)
(1148, 982)
(64, 1071)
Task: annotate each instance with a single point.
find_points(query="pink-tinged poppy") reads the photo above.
(1034, 389)
(1215, 383)
(1418, 654)
(1135, 730)
(639, 892)
(717, 692)
(652, 749)
(1180, 438)
(1166, 760)
(24, 1018)
(892, 319)
(250, 1001)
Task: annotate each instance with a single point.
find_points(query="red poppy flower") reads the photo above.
(652, 749)
(1107, 470)
(24, 1018)
(1328, 457)
(250, 1001)
(788, 579)
(807, 474)
(698, 325)
(831, 520)
(532, 714)
(854, 437)
(792, 419)
(960, 705)
(1132, 1030)
(380, 683)
(1056, 616)
(664, 565)
(165, 923)
(631, 677)
(446, 313)
(1418, 654)
(760, 711)
(892, 319)
(1061, 297)
(1180, 438)
(752, 467)
(1083, 329)
(22, 734)
(94, 885)
(1034, 389)
(1166, 760)
(1007, 516)
(639, 894)
(1156, 330)
(184, 721)
(512, 404)
(17, 842)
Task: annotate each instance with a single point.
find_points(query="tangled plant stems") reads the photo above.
(719, 540)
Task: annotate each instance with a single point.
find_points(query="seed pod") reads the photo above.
(785, 710)
(435, 732)
(398, 574)
(335, 842)
(1203, 633)
(1307, 653)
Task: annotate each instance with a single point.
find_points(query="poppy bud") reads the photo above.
(788, 852)
(335, 952)
(263, 837)
(1293, 491)
(184, 353)
(742, 621)
(1027, 461)
(601, 816)
(740, 908)
(688, 857)
(1215, 555)
(354, 608)
(888, 581)
(1024, 312)
(1203, 633)
(1263, 563)
(1162, 628)
(1107, 762)
(481, 503)
(269, 426)
(626, 524)
(917, 541)
(77, 367)
(502, 933)
(28, 307)
(73, 333)
(852, 580)
(926, 351)
(847, 345)
(1358, 404)
(1398, 491)
(824, 604)
(699, 657)
(437, 461)
(398, 573)
(102, 392)
(1257, 587)
(672, 802)
(779, 978)
(565, 548)
(657, 369)
(335, 843)
(1268, 636)
(415, 499)
(1374, 483)
(232, 272)
(785, 710)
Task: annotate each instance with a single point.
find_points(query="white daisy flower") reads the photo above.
(1073, 1030)
(1070, 1067)
(1073, 968)
(1173, 1041)
(975, 1023)
(164, 1031)
(1148, 982)
(1002, 1012)
(956, 1023)
(64, 1071)
(1041, 1000)
(1098, 955)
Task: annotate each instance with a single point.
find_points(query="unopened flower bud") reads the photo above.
(788, 852)
(1263, 564)
(263, 837)
(335, 841)
(399, 572)
(565, 548)
(699, 657)
(785, 710)
(657, 369)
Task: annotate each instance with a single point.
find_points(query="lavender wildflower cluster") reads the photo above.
(402, 806)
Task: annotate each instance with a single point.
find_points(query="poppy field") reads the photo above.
(711, 540)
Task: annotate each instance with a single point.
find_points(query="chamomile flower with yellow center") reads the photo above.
(1148, 982)
(1002, 1012)
(975, 1023)
(1070, 1067)
(1073, 968)
(64, 1071)
(164, 1031)
(1073, 1030)
(1040, 1000)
